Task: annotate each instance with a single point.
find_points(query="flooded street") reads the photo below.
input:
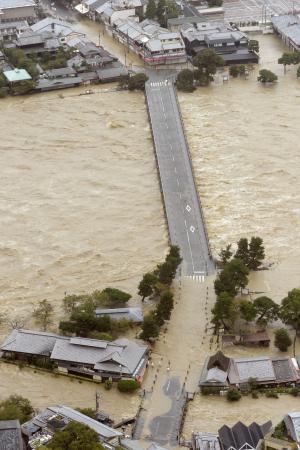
(244, 140)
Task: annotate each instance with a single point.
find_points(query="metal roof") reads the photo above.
(292, 422)
(240, 434)
(16, 75)
(289, 26)
(9, 4)
(133, 314)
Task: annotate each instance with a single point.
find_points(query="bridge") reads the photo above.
(182, 205)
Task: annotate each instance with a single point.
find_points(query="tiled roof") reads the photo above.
(10, 435)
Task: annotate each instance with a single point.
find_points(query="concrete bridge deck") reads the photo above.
(182, 206)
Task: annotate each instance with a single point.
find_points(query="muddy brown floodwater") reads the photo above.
(244, 140)
(79, 197)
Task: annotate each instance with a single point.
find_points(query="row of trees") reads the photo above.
(134, 82)
(161, 10)
(157, 284)
(252, 253)
(206, 64)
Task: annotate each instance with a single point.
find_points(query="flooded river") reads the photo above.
(244, 140)
(81, 207)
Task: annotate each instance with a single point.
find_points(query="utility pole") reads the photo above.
(97, 402)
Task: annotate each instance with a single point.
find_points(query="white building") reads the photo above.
(16, 10)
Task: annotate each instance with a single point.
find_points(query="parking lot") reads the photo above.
(258, 10)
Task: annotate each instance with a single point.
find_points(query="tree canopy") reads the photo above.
(43, 314)
(282, 339)
(185, 80)
(207, 61)
(76, 436)
(290, 310)
(267, 76)
(224, 311)
(232, 278)
(16, 407)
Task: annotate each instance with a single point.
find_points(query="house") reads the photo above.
(135, 315)
(225, 40)
(11, 30)
(57, 27)
(243, 437)
(37, 42)
(41, 428)
(64, 72)
(205, 441)
(155, 45)
(288, 28)
(292, 423)
(10, 435)
(258, 339)
(95, 359)
(16, 10)
(220, 372)
(16, 76)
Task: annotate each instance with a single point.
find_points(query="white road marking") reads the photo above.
(177, 181)
(188, 208)
(175, 170)
(192, 228)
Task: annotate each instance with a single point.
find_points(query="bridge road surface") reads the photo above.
(182, 207)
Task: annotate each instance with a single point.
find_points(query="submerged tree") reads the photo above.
(43, 314)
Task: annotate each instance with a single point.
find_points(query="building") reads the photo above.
(220, 372)
(135, 315)
(225, 40)
(155, 45)
(64, 72)
(57, 27)
(11, 30)
(243, 437)
(16, 10)
(16, 76)
(288, 28)
(292, 423)
(258, 339)
(205, 441)
(41, 428)
(10, 435)
(95, 359)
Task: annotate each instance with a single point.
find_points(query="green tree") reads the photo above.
(207, 62)
(151, 10)
(225, 254)
(150, 328)
(214, 3)
(289, 312)
(90, 412)
(185, 80)
(234, 71)
(253, 46)
(289, 58)
(256, 253)
(267, 309)
(128, 385)
(137, 82)
(116, 296)
(76, 436)
(223, 312)
(166, 9)
(233, 395)
(267, 76)
(16, 407)
(242, 69)
(243, 251)
(247, 310)
(146, 286)
(23, 87)
(232, 278)
(165, 306)
(282, 339)
(43, 314)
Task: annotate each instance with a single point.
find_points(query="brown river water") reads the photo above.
(81, 207)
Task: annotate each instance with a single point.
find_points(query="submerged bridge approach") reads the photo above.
(182, 204)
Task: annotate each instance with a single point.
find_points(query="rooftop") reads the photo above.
(7, 4)
(133, 314)
(10, 435)
(288, 25)
(13, 76)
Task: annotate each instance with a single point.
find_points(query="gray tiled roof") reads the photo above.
(10, 435)
(260, 368)
(289, 26)
(31, 342)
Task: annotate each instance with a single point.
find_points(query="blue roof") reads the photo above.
(17, 75)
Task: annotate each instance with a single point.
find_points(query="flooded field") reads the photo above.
(244, 144)
(80, 201)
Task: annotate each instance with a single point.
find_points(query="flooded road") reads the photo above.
(244, 140)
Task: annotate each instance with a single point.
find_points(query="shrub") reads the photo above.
(295, 392)
(128, 385)
(108, 385)
(233, 395)
(271, 394)
(254, 394)
(185, 80)
(282, 339)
